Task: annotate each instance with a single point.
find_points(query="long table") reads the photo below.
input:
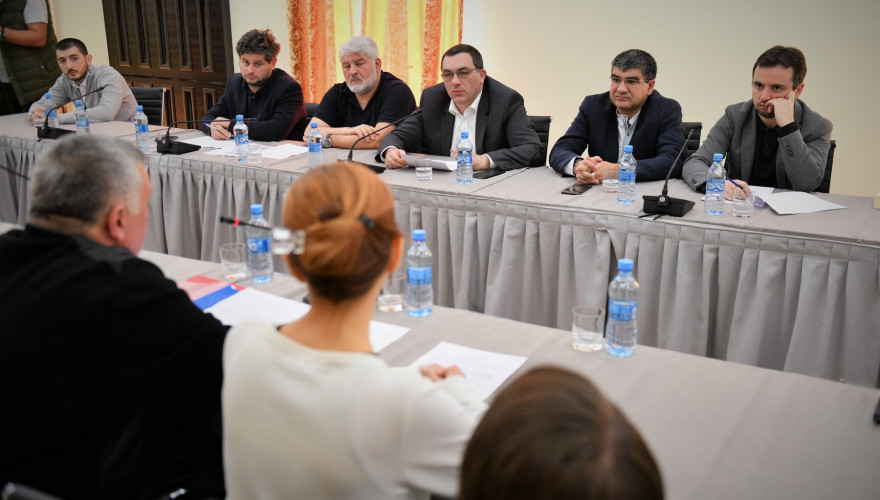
(795, 293)
(719, 430)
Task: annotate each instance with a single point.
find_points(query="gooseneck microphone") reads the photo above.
(168, 144)
(663, 204)
(377, 168)
(47, 132)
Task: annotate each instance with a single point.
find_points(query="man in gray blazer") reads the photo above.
(493, 114)
(775, 140)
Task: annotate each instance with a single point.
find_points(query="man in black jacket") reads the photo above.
(270, 97)
(109, 375)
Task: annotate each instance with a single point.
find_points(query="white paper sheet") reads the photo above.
(284, 151)
(484, 371)
(796, 202)
(255, 305)
(206, 141)
(437, 162)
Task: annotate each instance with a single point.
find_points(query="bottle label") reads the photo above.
(464, 157)
(82, 122)
(622, 310)
(715, 186)
(627, 176)
(418, 275)
(314, 147)
(141, 128)
(259, 245)
(241, 140)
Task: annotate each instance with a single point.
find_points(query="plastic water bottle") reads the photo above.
(621, 331)
(316, 147)
(419, 290)
(141, 130)
(52, 116)
(46, 104)
(240, 131)
(82, 118)
(464, 152)
(626, 187)
(713, 202)
(259, 246)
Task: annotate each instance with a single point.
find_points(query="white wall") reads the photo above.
(557, 51)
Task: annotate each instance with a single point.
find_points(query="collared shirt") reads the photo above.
(466, 121)
(626, 127)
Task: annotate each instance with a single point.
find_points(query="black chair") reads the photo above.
(541, 124)
(153, 101)
(311, 107)
(13, 491)
(303, 125)
(694, 142)
(825, 187)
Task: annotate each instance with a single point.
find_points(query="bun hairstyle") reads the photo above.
(347, 215)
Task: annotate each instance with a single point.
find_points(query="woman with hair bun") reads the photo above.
(309, 411)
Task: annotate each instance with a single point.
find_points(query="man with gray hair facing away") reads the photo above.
(631, 113)
(368, 100)
(109, 375)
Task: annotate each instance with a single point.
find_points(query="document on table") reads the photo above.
(206, 141)
(250, 304)
(484, 371)
(437, 162)
(284, 151)
(796, 202)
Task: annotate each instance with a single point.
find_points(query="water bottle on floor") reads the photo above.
(464, 152)
(713, 202)
(82, 118)
(626, 188)
(242, 145)
(419, 290)
(141, 130)
(316, 147)
(621, 331)
(259, 246)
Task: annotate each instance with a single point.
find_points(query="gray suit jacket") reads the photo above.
(503, 129)
(800, 160)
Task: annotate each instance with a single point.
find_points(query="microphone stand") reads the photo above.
(168, 144)
(47, 132)
(663, 204)
(378, 168)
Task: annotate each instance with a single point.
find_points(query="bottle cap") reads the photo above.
(256, 209)
(78, 103)
(48, 95)
(717, 157)
(314, 125)
(140, 108)
(239, 117)
(625, 265)
(628, 148)
(464, 134)
(419, 235)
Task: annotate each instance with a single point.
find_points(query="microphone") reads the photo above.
(377, 168)
(168, 144)
(47, 132)
(663, 204)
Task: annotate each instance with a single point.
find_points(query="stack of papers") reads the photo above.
(227, 148)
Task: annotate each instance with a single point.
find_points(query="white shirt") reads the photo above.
(625, 129)
(466, 121)
(308, 423)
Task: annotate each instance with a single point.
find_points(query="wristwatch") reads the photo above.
(328, 143)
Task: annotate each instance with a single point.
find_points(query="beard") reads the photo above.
(765, 114)
(364, 86)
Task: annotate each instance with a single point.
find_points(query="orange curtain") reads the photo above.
(411, 34)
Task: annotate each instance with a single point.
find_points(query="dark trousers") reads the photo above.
(9, 104)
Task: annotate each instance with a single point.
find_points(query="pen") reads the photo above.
(731, 181)
(217, 129)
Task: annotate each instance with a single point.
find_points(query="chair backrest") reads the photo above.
(694, 142)
(153, 101)
(825, 187)
(303, 125)
(541, 124)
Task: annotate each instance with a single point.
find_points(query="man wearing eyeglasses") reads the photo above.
(468, 99)
(630, 113)
(774, 140)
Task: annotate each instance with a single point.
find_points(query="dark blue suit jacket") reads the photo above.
(656, 140)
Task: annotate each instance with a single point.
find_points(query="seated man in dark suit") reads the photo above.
(109, 375)
(268, 95)
(774, 140)
(493, 113)
(631, 113)
(368, 100)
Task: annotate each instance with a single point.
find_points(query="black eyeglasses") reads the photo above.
(461, 74)
(630, 82)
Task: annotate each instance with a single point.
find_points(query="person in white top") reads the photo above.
(309, 411)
